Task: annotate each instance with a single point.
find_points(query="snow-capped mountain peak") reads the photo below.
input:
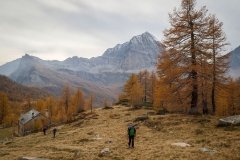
(145, 37)
(139, 53)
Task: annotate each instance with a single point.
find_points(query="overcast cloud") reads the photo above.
(57, 29)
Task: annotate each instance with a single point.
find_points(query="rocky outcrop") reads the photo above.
(229, 121)
(181, 144)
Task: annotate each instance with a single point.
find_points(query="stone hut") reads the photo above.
(31, 121)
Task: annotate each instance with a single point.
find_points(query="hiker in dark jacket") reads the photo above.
(54, 132)
(44, 130)
(131, 135)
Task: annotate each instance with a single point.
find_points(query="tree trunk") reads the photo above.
(214, 78)
(204, 103)
(194, 100)
(145, 88)
(213, 98)
(205, 108)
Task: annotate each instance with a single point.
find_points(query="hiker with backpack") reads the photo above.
(44, 130)
(54, 132)
(131, 135)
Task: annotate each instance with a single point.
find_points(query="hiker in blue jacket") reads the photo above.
(131, 135)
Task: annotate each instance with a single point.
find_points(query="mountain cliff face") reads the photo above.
(235, 63)
(235, 58)
(139, 53)
(102, 76)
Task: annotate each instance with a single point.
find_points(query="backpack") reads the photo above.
(132, 131)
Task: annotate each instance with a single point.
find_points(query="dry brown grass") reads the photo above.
(85, 139)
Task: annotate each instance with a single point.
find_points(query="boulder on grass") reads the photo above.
(207, 150)
(181, 144)
(229, 121)
(104, 152)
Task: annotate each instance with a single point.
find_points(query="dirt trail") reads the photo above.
(84, 139)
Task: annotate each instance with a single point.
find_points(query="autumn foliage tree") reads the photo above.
(228, 99)
(72, 104)
(173, 80)
(216, 41)
(61, 109)
(144, 79)
(51, 107)
(8, 111)
(133, 91)
(161, 95)
(78, 101)
(147, 80)
(183, 44)
(66, 98)
(3, 106)
(152, 85)
(193, 60)
(89, 103)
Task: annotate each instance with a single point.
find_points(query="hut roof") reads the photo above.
(25, 118)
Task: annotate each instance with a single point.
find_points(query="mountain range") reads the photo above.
(102, 76)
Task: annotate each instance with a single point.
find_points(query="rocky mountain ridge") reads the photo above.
(102, 76)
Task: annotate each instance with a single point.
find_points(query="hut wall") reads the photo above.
(34, 125)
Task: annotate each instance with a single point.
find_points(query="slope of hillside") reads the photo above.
(18, 92)
(86, 138)
(9, 67)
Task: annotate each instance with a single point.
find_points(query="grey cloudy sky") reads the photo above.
(57, 29)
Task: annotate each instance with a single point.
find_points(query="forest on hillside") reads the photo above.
(57, 109)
